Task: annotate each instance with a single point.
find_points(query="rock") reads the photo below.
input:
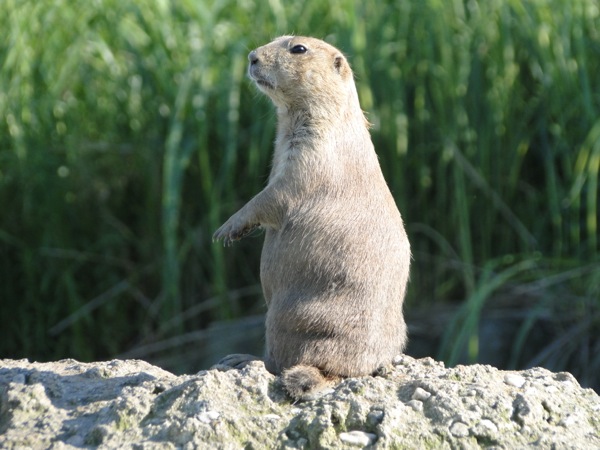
(415, 404)
(421, 394)
(515, 380)
(358, 438)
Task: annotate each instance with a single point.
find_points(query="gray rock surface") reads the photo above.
(415, 404)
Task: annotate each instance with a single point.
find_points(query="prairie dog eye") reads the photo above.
(298, 49)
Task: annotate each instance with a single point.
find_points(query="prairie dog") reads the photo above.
(335, 260)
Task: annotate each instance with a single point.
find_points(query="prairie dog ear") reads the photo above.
(341, 65)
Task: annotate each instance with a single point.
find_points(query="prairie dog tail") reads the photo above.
(306, 382)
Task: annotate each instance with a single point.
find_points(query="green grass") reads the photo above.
(129, 133)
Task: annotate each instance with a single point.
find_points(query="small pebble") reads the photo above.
(421, 394)
(565, 377)
(459, 429)
(272, 417)
(417, 405)
(96, 372)
(512, 379)
(485, 428)
(208, 416)
(375, 417)
(567, 421)
(359, 438)
(399, 359)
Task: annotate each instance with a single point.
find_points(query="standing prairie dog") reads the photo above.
(336, 257)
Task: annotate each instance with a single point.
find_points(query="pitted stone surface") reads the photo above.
(416, 404)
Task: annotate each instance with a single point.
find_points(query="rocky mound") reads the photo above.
(416, 404)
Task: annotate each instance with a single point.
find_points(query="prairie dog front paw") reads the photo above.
(233, 231)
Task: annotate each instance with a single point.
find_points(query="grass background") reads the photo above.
(129, 133)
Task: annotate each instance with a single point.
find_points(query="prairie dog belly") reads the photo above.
(328, 294)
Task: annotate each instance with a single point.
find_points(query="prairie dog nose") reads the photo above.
(253, 57)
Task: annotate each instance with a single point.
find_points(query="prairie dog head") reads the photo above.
(303, 72)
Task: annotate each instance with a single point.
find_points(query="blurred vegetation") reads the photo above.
(129, 133)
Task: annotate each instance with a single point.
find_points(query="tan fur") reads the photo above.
(336, 257)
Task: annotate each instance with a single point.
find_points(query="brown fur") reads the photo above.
(336, 257)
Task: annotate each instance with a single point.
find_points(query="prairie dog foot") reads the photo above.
(306, 382)
(235, 361)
